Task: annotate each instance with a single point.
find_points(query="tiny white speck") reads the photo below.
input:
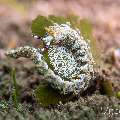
(42, 49)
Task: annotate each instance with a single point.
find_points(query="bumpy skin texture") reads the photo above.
(69, 55)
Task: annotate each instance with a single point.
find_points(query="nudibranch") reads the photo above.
(64, 59)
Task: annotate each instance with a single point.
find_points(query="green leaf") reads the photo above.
(86, 30)
(47, 60)
(46, 95)
(39, 24)
(57, 19)
(74, 20)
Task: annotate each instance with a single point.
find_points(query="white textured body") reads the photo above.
(69, 55)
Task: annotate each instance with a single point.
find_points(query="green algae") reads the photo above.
(39, 24)
(107, 88)
(46, 96)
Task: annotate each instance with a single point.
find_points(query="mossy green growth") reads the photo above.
(46, 95)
